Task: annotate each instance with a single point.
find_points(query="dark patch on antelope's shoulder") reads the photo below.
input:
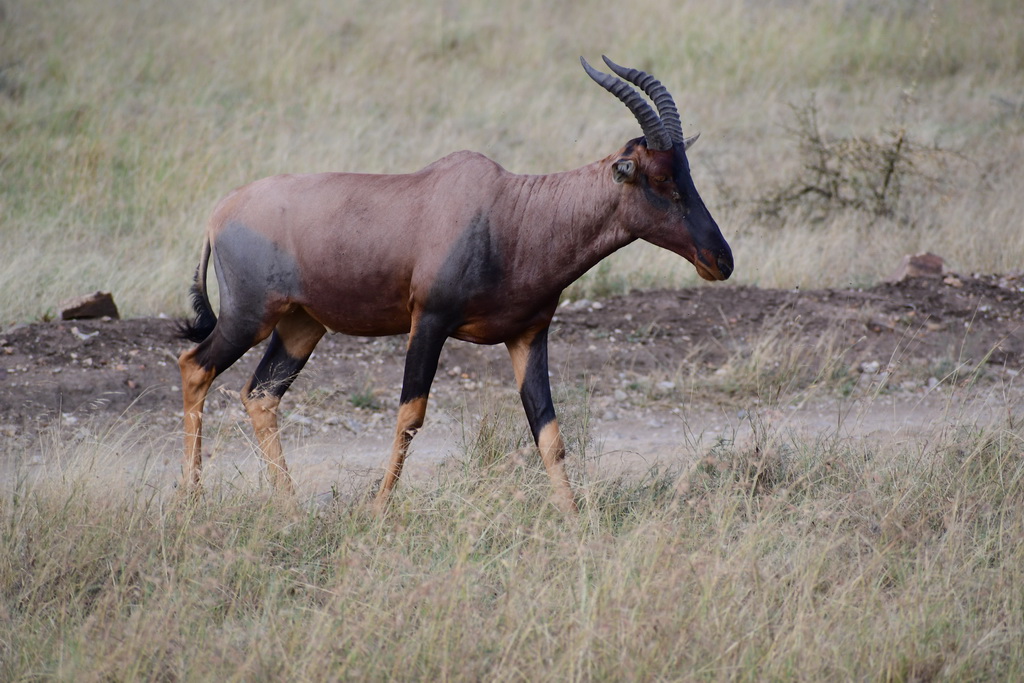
(472, 268)
(252, 268)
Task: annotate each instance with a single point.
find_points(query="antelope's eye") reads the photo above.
(659, 178)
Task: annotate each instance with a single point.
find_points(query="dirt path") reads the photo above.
(652, 377)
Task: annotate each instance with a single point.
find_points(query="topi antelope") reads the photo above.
(461, 249)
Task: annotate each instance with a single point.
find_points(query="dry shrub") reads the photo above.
(869, 175)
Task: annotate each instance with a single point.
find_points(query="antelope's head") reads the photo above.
(663, 205)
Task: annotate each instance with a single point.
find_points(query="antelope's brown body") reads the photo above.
(461, 249)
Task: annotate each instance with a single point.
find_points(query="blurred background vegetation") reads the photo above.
(122, 123)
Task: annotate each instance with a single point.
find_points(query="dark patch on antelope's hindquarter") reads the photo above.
(251, 268)
(472, 268)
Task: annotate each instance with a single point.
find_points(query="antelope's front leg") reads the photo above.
(529, 355)
(425, 343)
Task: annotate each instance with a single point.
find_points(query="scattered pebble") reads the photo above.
(82, 335)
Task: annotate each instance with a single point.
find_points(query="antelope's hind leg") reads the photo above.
(199, 366)
(529, 355)
(291, 344)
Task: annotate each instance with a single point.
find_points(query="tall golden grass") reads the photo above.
(123, 123)
(774, 559)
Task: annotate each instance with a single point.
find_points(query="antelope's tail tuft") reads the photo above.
(201, 326)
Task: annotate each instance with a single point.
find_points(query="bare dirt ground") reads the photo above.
(652, 377)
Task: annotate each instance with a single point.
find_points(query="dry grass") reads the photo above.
(806, 559)
(776, 558)
(123, 124)
(775, 555)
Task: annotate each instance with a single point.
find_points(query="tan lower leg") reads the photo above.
(195, 383)
(410, 419)
(192, 463)
(552, 452)
(263, 413)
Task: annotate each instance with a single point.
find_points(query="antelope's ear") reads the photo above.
(624, 171)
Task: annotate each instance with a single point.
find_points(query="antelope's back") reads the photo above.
(356, 250)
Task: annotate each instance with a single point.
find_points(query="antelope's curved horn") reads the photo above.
(658, 93)
(657, 137)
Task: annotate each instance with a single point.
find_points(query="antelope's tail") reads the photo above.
(200, 327)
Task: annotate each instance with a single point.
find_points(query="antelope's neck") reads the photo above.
(564, 223)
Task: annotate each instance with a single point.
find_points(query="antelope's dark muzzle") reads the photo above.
(714, 266)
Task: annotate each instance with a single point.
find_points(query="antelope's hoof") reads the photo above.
(566, 502)
(379, 506)
(189, 493)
